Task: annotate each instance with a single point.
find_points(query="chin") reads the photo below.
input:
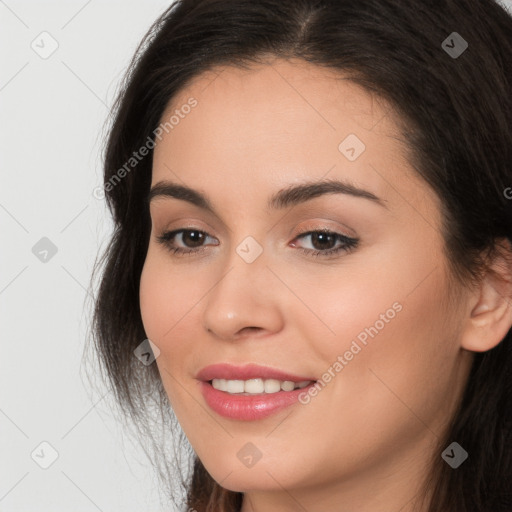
(262, 476)
(246, 480)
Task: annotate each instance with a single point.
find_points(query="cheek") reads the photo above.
(168, 296)
(341, 305)
(397, 340)
(370, 406)
(398, 350)
(167, 299)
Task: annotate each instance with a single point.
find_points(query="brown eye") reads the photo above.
(192, 238)
(189, 240)
(324, 242)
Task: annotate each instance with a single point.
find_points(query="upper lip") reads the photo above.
(246, 372)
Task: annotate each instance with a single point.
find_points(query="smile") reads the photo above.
(257, 386)
(250, 392)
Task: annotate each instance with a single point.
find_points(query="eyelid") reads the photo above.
(325, 225)
(311, 226)
(348, 243)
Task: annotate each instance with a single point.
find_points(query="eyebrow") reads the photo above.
(289, 196)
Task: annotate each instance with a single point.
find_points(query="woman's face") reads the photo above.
(370, 321)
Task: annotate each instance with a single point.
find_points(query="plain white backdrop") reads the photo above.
(53, 107)
(60, 65)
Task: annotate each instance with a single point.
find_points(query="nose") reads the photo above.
(244, 301)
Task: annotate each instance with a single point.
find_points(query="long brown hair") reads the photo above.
(457, 119)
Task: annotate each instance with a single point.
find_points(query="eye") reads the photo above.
(324, 242)
(192, 238)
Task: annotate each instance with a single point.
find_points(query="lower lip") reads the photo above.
(249, 407)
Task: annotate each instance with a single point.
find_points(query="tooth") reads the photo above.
(287, 385)
(272, 386)
(254, 386)
(257, 386)
(219, 384)
(235, 386)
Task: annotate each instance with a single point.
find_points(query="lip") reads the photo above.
(248, 407)
(246, 372)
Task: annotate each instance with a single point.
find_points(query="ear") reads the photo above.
(490, 311)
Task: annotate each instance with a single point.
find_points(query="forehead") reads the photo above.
(275, 123)
(293, 94)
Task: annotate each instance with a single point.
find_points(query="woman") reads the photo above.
(312, 228)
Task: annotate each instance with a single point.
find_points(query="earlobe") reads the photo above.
(490, 316)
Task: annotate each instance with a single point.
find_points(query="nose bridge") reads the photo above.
(243, 296)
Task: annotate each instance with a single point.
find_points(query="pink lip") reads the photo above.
(249, 371)
(248, 407)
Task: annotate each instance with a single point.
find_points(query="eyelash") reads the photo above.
(348, 243)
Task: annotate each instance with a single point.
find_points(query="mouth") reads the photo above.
(229, 372)
(257, 386)
(250, 392)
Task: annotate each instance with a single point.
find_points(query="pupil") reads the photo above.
(189, 235)
(322, 237)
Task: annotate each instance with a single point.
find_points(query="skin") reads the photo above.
(364, 442)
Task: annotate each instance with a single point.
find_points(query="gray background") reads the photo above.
(52, 116)
(53, 110)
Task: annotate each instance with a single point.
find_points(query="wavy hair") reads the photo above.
(456, 115)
